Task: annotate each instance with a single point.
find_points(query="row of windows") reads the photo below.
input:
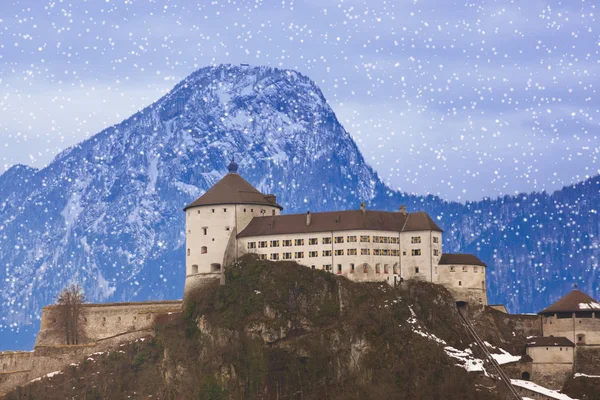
(465, 269)
(327, 240)
(338, 252)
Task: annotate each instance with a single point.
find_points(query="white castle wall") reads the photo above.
(465, 282)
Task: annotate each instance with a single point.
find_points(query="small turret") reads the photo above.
(363, 207)
(307, 218)
(402, 209)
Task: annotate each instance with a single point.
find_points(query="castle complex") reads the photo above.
(233, 218)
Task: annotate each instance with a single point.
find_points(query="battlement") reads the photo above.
(13, 361)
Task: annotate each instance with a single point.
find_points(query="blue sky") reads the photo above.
(459, 99)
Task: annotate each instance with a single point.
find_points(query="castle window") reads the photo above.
(274, 256)
(475, 269)
(416, 270)
(213, 210)
(287, 256)
(313, 241)
(326, 240)
(377, 268)
(339, 239)
(205, 230)
(403, 253)
(351, 239)
(351, 268)
(252, 210)
(465, 268)
(459, 283)
(198, 211)
(227, 228)
(299, 254)
(365, 239)
(351, 252)
(262, 244)
(376, 239)
(327, 267)
(262, 256)
(224, 210)
(436, 252)
(274, 243)
(287, 243)
(416, 252)
(483, 285)
(299, 242)
(326, 253)
(386, 269)
(215, 267)
(395, 240)
(415, 239)
(339, 268)
(580, 338)
(339, 252)
(365, 268)
(188, 252)
(313, 254)
(251, 245)
(195, 269)
(395, 268)
(244, 210)
(452, 269)
(312, 267)
(365, 252)
(435, 239)
(376, 252)
(436, 270)
(273, 212)
(203, 250)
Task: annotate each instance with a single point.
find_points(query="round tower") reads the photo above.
(464, 275)
(212, 223)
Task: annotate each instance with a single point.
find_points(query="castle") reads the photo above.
(233, 218)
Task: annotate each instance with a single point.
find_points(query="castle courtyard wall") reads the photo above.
(11, 361)
(552, 365)
(100, 321)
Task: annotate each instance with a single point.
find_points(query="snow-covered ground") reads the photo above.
(553, 394)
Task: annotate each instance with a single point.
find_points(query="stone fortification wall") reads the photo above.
(550, 375)
(465, 282)
(11, 361)
(572, 327)
(587, 360)
(101, 321)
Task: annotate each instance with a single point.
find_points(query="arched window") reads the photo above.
(203, 250)
(396, 269)
(386, 269)
(194, 269)
(215, 267)
(273, 212)
(365, 268)
(377, 268)
(188, 252)
(483, 285)
(525, 376)
(580, 338)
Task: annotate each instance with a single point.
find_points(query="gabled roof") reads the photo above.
(233, 189)
(460, 259)
(547, 341)
(574, 301)
(338, 221)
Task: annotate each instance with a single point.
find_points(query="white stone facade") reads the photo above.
(214, 223)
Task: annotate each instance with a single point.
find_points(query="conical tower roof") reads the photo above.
(233, 189)
(574, 301)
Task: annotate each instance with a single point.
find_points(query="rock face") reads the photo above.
(107, 212)
(302, 334)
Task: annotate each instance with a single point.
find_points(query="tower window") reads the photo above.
(194, 269)
(416, 270)
(198, 211)
(224, 210)
(351, 268)
(436, 252)
(465, 268)
(188, 252)
(475, 269)
(273, 212)
(416, 252)
(244, 210)
(339, 268)
(459, 283)
(203, 250)
(213, 210)
(205, 230)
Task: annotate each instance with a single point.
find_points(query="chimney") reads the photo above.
(308, 218)
(402, 209)
(363, 207)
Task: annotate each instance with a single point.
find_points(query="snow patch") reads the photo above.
(50, 375)
(553, 394)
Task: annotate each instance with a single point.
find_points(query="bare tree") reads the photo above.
(70, 299)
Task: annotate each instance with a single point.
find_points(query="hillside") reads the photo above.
(280, 330)
(107, 212)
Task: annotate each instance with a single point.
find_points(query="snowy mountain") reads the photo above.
(108, 212)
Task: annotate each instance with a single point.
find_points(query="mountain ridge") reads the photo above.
(107, 211)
